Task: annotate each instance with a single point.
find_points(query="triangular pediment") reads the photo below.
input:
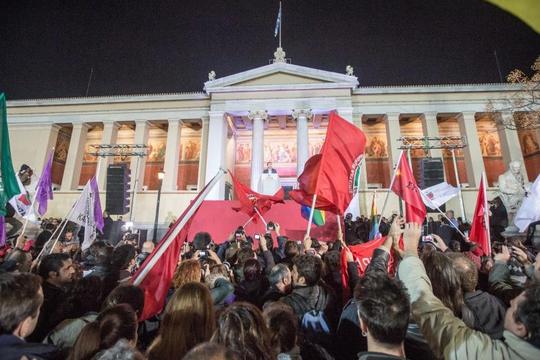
(281, 76)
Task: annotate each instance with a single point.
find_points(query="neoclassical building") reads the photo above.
(279, 113)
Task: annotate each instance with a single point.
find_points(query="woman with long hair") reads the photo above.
(112, 325)
(188, 320)
(241, 328)
(447, 284)
(188, 271)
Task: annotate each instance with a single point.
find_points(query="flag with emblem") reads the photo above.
(479, 233)
(437, 195)
(331, 175)
(11, 188)
(404, 185)
(251, 201)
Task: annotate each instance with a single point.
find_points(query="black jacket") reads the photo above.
(49, 317)
(318, 297)
(488, 312)
(14, 348)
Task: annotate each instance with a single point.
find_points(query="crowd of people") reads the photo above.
(427, 293)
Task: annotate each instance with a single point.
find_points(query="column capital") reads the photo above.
(392, 115)
(110, 122)
(467, 114)
(142, 122)
(258, 114)
(81, 125)
(298, 113)
(427, 114)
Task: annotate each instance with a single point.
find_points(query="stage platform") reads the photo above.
(218, 218)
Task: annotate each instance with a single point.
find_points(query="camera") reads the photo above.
(270, 226)
(257, 237)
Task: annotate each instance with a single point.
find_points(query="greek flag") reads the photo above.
(278, 21)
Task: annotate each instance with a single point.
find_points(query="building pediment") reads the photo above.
(281, 76)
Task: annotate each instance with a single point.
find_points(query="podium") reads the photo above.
(269, 183)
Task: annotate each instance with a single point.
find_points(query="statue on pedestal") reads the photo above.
(513, 188)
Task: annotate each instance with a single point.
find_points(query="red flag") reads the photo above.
(249, 199)
(155, 275)
(480, 223)
(404, 185)
(330, 174)
(362, 254)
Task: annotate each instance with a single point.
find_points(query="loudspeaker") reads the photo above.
(117, 195)
(431, 173)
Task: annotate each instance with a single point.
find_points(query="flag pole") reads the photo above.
(33, 202)
(391, 183)
(486, 211)
(280, 21)
(258, 213)
(310, 221)
(167, 242)
(56, 231)
(249, 220)
(458, 184)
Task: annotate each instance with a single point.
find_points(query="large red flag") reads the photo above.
(404, 185)
(155, 275)
(480, 223)
(330, 175)
(251, 200)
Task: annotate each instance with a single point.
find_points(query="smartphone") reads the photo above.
(203, 253)
(270, 226)
(427, 238)
(257, 237)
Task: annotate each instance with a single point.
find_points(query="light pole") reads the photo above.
(161, 175)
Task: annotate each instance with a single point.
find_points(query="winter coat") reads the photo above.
(447, 335)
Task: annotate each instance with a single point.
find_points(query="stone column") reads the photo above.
(430, 128)
(257, 146)
(204, 153)
(141, 137)
(510, 145)
(50, 143)
(474, 161)
(172, 155)
(72, 170)
(110, 135)
(217, 136)
(393, 133)
(302, 117)
(357, 120)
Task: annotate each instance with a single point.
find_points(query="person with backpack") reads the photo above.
(312, 301)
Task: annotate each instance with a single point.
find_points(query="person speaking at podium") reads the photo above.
(269, 183)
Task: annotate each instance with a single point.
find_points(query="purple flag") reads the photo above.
(98, 214)
(2, 231)
(44, 191)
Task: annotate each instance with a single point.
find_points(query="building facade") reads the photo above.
(279, 113)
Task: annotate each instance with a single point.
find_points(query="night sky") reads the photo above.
(47, 48)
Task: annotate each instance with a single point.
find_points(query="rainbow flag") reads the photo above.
(374, 233)
(319, 216)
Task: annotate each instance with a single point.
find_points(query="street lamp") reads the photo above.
(160, 175)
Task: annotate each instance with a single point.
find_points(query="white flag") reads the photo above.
(354, 206)
(83, 214)
(436, 195)
(529, 210)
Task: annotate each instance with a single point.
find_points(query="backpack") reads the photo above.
(314, 321)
